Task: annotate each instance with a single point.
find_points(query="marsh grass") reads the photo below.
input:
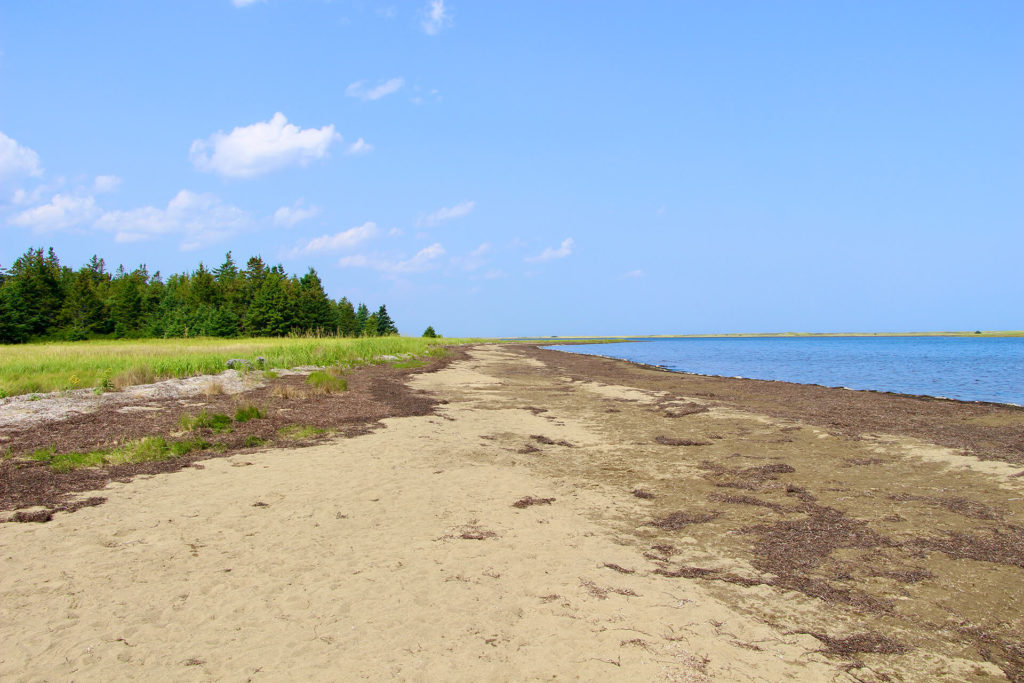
(147, 449)
(44, 367)
(325, 382)
(248, 412)
(218, 422)
(287, 391)
(213, 388)
(409, 363)
(296, 432)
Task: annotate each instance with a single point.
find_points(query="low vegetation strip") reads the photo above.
(58, 366)
(148, 449)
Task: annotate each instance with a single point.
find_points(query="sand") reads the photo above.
(399, 554)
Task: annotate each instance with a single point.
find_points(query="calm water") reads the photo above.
(965, 368)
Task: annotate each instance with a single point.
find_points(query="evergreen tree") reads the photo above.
(83, 311)
(39, 297)
(203, 288)
(362, 315)
(429, 332)
(126, 306)
(313, 308)
(225, 323)
(227, 271)
(385, 325)
(345, 318)
(36, 290)
(12, 326)
(370, 329)
(270, 313)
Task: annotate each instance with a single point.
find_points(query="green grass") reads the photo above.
(55, 366)
(254, 441)
(248, 412)
(218, 422)
(326, 382)
(296, 432)
(409, 363)
(269, 374)
(148, 449)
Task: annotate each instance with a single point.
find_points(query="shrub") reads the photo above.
(248, 412)
(326, 383)
(218, 422)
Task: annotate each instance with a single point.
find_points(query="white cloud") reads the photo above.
(423, 260)
(436, 17)
(17, 160)
(63, 211)
(199, 218)
(446, 214)
(552, 253)
(244, 3)
(106, 183)
(360, 146)
(358, 89)
(289, 216)
(475, 259)
(340, 240)
(634, 274)
(357, 261)
(262, 147)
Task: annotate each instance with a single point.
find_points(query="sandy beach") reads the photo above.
(541, 515)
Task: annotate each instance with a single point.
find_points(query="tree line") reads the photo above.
(41, 299)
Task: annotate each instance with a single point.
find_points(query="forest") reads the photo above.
(42, 300)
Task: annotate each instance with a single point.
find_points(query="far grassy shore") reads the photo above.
(56, 366)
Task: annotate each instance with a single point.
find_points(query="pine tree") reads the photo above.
(345, 318)
(12, 326)
(83, 311)
(39, 297)
(370, 329)
(126, 305)
(313, 308)
(37, 292)
(429, 332)
(270, 312)
(227, 271)
(385, 325)
(362, 315)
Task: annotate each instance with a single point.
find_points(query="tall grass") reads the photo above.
(54, 366)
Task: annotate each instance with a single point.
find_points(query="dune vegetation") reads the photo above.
(109, 365)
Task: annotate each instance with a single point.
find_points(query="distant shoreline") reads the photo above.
(764, 335)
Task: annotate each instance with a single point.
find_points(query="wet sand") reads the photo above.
(557, 516)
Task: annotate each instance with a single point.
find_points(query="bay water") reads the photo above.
(963, 368)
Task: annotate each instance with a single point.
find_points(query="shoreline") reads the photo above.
(553, 514)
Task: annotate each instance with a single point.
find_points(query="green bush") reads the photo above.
(325, 382)
(248, 412)
(218, 422)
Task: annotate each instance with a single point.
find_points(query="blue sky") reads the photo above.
(537, 168)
